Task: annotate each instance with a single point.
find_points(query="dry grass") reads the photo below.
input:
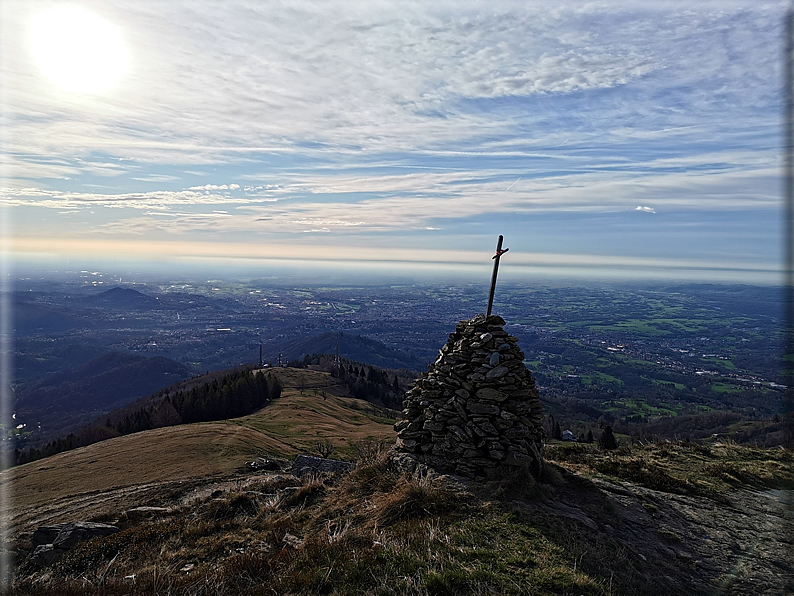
(705, 469)
(125, 466)
(379, 531)
(375, 531)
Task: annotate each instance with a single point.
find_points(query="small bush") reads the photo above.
(306, 495)
(371, 477)
(368, 450)
(607, 439)
(325, 448)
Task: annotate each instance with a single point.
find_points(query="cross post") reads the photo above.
(496, 257)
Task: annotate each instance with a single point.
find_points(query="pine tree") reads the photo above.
(607, 440)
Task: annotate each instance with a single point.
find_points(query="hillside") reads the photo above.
(225, 394)
(132, 464)
(34, 319)
(665, 518)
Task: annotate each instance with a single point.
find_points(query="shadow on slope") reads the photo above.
(67, 399)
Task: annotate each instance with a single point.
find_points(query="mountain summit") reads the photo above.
(124, 298)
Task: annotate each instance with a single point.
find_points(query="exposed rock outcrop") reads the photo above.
(51, 542)
(476, 411)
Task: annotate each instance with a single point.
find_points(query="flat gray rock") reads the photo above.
(309, 463)
(75, 532)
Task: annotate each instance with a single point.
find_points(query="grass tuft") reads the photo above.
(413, 499)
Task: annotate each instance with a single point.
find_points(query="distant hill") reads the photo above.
(354, 347)
(34, 361)
(30, 318)
(73, 397)
(123, 298)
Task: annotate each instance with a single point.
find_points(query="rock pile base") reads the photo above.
(476, 412)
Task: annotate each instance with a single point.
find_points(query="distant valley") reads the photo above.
(685, 360)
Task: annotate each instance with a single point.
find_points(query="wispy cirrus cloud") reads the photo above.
(386, 117)
(206, 79)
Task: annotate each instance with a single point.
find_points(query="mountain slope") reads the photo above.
(289, 425)
(28, 318)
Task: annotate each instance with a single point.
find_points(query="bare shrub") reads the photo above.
(325, 448)
(372, 476)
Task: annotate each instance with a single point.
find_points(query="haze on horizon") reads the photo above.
(602, 139)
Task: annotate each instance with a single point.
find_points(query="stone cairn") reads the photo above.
(476, 411)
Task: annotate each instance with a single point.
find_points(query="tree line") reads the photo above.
(236, 394)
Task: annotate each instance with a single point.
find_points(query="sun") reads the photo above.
(78, 50)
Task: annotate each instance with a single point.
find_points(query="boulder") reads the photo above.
(46, 554)
(45, 534)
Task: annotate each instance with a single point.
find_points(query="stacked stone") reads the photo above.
(476, 412)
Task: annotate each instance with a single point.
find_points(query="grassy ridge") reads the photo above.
(374, 532)
(289, 425)
(706, 469)
(378, 531)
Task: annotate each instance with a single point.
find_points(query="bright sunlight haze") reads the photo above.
(78, 50)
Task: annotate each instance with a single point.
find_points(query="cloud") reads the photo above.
(157, 178)
(56, 199)
(207, 80)
(345, 203)
(385, 117)
(209, 187)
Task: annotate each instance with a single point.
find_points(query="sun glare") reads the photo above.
(78, 50)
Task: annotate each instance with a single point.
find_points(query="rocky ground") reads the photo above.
(692, 544)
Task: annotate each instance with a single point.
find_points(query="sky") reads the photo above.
(604, 139)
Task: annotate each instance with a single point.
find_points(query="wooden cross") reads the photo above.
(496, 257)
